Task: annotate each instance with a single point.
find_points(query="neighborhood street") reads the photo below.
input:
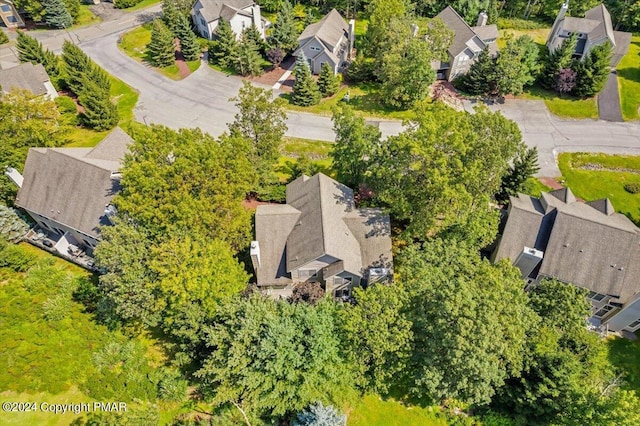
(202, 100)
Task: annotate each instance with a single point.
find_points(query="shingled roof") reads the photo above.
(329, 30)
(320, 219)
(214, 9)
(25, 76)
(463, 32)
(74, 185)
(586, 244)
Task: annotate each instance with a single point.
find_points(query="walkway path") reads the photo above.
(609, 100)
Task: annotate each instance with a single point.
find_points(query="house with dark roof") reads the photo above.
(68, 191)
(9, 15)
(320, 236)
(588, 245)
(592, 30)
(240, 14)
(468, 43)
(28, 76)
(329, 40)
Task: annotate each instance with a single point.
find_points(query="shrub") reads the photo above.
(3, 37)
(275, 56)
(66, 105)
(15, 257)
(123, 4)
(632, 188)
(13, 225)
(172, 387)
(56, 308)
(360, 70)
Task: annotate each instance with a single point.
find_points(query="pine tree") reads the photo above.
(161, 48)
(328, 82)
(305, 90)
(525, 165)
(224, 49)
(77, 66)
(99, 112)
(248, 60)
(31, 50)
(592, 71)
(320, 415)
(478, 79)
(557, 60)
(170, 16)
(285, 32)
(252, 33)
(56, 14)
(3, 37)
(189, 45)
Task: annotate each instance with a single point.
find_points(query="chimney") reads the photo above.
(255, 255)
(257, 19)
(414, 30)
(352, 37)
(556, 26)
(15, 176)
(482, 19)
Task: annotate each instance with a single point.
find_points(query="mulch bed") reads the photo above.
(180, 62)
(272, 76)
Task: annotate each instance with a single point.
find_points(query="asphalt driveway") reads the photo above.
(609, 100)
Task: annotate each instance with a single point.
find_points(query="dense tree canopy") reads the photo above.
(469, 321)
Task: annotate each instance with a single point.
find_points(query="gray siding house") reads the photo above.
(240, 14)
(468, 43)
(68, 191)
(329, 40)
(584, 244)
(28, 76)
(320, 236)
(592, 30)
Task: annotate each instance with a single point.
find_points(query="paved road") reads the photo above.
(553, 135)
(201, 100)
(609, 100)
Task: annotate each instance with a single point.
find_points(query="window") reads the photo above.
(343, 293)
(315, 48)
(305, 273)
(603, 311)
(596, 296)
(634, 324)
(5, 8)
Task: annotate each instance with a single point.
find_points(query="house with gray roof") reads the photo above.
(68, 192)
(329, 40)
(9, 15)
(584, 244)
(320, 236)
(27, 76)
(468, 43)
(592, 30)
(240, 14)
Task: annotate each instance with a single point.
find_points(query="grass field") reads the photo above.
(134, 44)
(595, 184)
(125, 97)
(539, 35)
(629, 81)
(625, 354)
(534, 187)
(317, 152)
(563, 106)
(86, 17)
(373, 411)
(364, 99)
(142, 5)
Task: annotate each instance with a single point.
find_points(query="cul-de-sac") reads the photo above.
(320, 212)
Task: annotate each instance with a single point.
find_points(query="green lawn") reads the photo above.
(563, 106)
(595, 184)
(86, 17)
(125, 97)
(134, 44)
(534, 187)
(539, 35)
(363, 98)
(142, 5)
(629, 81)
(625, 355)
(373, 411)
(293, 148)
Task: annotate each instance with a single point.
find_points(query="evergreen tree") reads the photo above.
(31, 50)
(320, 415)
(99, 112)
(525, 165)
(305, 90)
(592, 71)
(56, 14)
(171, 16)
(248, 61)
(161, 48)
(328, 82)
(189, 45)
(480, 75)
(252, 33)
(224, 49)
(556, 61)
(285, 33)
(3, 37)
(73, 7)
(77, 66)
